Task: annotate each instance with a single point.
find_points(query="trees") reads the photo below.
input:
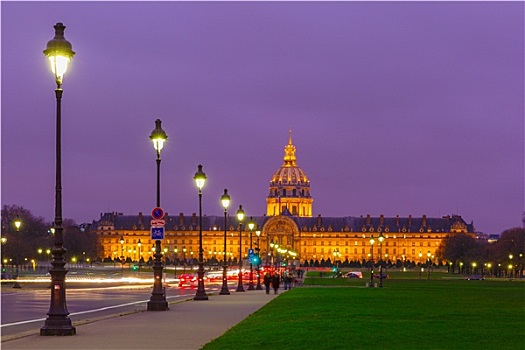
(464, 250)
(35, 233)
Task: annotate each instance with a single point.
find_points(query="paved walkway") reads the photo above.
(186, 325)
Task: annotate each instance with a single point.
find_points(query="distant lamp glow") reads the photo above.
(17, 222)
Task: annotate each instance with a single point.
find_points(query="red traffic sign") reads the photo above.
(157, 213)
(157, 223)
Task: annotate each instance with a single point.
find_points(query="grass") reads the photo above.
(405, 314)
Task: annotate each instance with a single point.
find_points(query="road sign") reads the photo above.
(157, 232)
(157, 222)
(157, 213)
(250, 251)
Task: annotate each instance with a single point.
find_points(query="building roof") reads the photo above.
(118, 221)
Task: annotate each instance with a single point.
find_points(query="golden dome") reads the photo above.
(289, 173)
(289, 186)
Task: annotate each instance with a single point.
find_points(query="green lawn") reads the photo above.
(405, 314)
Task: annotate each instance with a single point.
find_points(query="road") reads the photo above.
(25, 310)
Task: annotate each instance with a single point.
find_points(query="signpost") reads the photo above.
(157, 232)
(157, 224)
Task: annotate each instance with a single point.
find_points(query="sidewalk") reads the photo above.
(186, 325)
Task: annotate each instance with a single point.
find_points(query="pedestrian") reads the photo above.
(275, 283)
(267, 281)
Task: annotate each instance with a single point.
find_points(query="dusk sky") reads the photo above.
(395, 108)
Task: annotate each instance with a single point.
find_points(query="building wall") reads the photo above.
(309, 243)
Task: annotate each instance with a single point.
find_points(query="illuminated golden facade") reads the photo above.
(288, 223)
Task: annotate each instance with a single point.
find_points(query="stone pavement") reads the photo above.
(186, 325)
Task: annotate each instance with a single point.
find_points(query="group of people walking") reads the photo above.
(274, 281)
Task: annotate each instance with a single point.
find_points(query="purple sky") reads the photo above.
(396, 108)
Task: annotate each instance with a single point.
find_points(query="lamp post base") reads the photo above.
(58, 326)
(224, 288)
(240, 288)
(157, 303)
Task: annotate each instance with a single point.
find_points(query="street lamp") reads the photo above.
(225, 200)
(381, 238)
(251, 225)
(184, 257)
(420, 265)
(59, 52)
(372, 241)
(17, 225)
(240, 218)
(175, 261)
(258, 233)
(139, 243)
(200, 179)
(157, 301)
(429, 264)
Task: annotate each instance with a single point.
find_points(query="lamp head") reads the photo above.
(372, 240)
(251, 224)
(258, 231)
(158, 136)
(139, 243)
(225, 199)
(200, 177)
(381, 238)
(59, 51)
(240, 214)
(121, 240)
(18, 222)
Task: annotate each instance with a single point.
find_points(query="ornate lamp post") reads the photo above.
(258, 233)
(372, 241)
(429, 264)
(420, 265)
(381, 238)
(122, 256)
(59, 52)
(17, 225)
(251, 225)
(175, 260)
(184, 257)
(200, 179)
(225, 200)
(139, 244)
(240, 218)
(157, 301)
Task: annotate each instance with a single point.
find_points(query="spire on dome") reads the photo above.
(289, 151)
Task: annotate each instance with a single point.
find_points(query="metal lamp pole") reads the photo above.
(420, 265)
(122, 256)
(240, 218)
(184, 257)
(258, 233)
(200, 179)
(17, 225)
(176, 251)
(225, 200)
(59, 52)
(372, 241)
(381, 238)
(157, 301)
(139, 243)
(251, 225)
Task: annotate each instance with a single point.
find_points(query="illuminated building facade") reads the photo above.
(289, 224)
